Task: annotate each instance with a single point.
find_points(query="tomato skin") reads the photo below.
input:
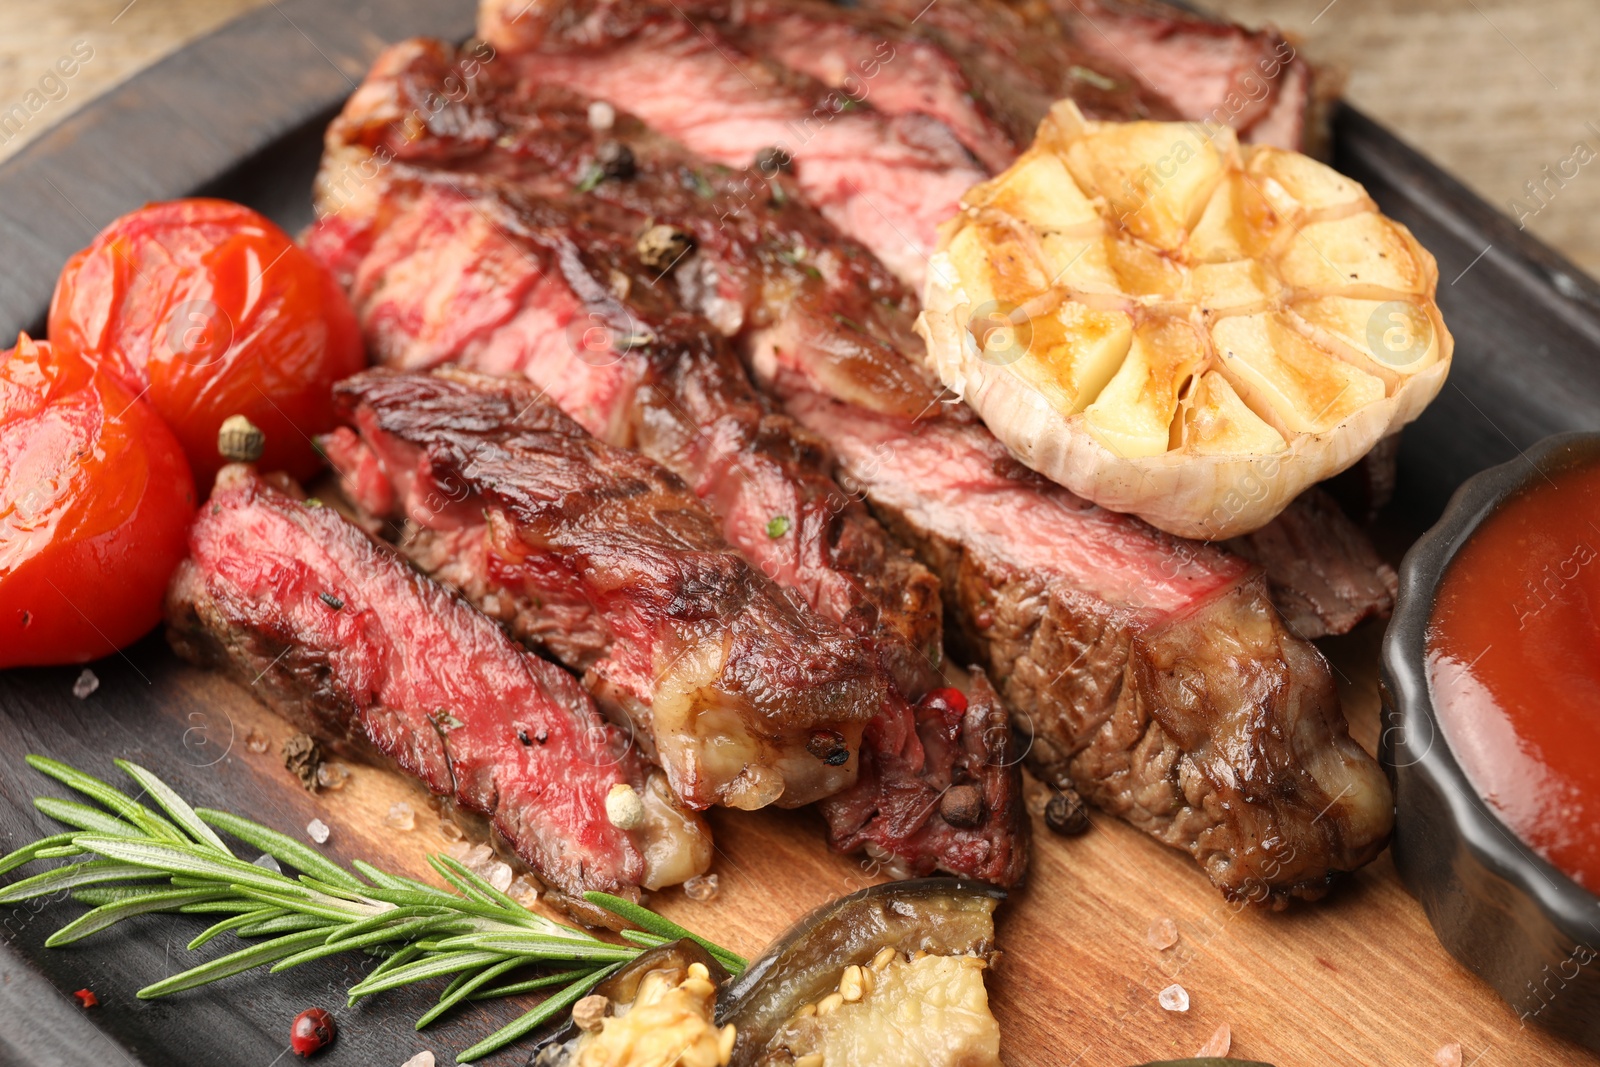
(214, 310)
(95, 502)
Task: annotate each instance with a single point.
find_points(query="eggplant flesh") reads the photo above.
(928, 916)
(560, 1047)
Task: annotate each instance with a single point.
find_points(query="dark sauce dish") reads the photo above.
(1497, 905)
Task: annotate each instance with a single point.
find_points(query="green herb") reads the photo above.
(777, 526)
(845, 320)
(313, 502)
(1093, 77)
(443, 720)
(138, 861)
(593, 175)
(779, 197)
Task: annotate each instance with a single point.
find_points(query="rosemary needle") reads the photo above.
(476, 936)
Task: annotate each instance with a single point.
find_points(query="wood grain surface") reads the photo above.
(1492, 90)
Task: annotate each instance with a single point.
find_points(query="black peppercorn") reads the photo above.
(1066, 814)
(615, 159)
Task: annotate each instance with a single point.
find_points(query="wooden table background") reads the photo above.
(1494, 90)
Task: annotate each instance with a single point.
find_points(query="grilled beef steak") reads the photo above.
(607, 560)
(1211, 69)
(888, 180)
(939, 788)
(402, 240)
(1153, 673)
(1326, 577)
(682, 396)
(339, 635)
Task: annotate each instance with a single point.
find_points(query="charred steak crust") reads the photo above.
(339, 635)
(729, 677)
(658, 377)
(1152, 673)
(683, 397)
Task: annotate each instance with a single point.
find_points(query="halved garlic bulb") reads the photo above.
(1175, 327)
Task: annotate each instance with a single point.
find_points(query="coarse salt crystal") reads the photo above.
(266, 861)
(499, 875)
(524, 891)
(87, 683)
(1174, 998)
(476, 859)
(1219, 1044)
(450, 831)
(1448, 1055)
(602, 116)
(318, 831)
(256, 741)
(1162, 935)
(421, 1059)
(400, 816)
(701, 888)
(332, 775)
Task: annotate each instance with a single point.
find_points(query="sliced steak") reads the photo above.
(339, 635)
(1153, 673)
(743, 695)
(1213, 70)
(1325, 575)
(404, 243)
(887, 180)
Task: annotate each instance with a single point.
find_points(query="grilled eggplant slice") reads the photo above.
(892, 975)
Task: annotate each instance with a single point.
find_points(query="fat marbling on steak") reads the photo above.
(611, 564)
(342, 637)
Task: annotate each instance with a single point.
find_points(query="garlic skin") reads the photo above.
(1177, 328)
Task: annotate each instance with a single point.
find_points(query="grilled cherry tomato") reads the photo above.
(216, 312)
(95, 502)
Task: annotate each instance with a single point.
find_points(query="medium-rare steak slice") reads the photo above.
(1153, 673)
(887, 180)
(1213, 70)
(743, 695)
(396, 240)
(338, 634)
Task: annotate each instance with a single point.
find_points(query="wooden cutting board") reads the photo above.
(1355, 979)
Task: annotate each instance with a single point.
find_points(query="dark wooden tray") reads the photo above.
(240, 114)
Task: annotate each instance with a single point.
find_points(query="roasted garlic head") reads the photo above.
(1175, 327)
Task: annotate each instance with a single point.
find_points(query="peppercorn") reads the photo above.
(1066, 814)
(962, 806)
(774, 160)
(312, 1031)
(615, 159)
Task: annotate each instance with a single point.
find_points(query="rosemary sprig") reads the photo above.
(131, 860)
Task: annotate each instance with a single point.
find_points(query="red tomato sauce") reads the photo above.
(1514, 666)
